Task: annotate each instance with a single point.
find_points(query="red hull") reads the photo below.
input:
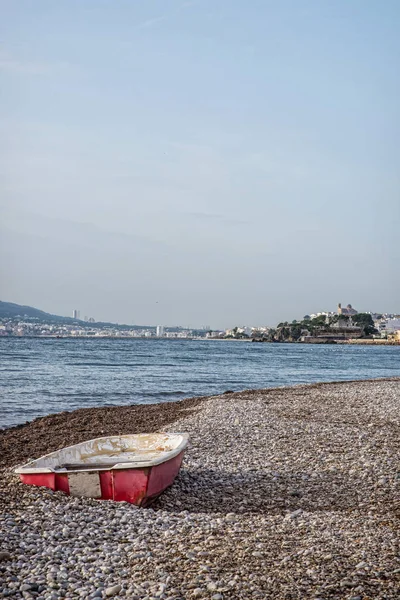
(137, 486)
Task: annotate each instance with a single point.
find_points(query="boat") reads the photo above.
(129, 468)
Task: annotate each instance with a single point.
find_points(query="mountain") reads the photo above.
(9, 310)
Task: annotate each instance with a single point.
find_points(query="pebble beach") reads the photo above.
(286, 493)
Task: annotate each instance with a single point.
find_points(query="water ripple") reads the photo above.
(42, 376)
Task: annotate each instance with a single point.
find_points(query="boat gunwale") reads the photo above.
(134, 464)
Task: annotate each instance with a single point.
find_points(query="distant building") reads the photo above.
(75, 314)
(160, 331)
(345, 324)
(392, 325)
(215, 334)
(395, 337)
(245, 330)
(348, 311)
(319, 314)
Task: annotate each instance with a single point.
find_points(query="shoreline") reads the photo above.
(322, 342)
(287, 492)
(181, 404)
(152, 415)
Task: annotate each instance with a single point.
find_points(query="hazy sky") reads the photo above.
(197, 162)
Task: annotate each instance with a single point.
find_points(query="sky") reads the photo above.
(200, 162)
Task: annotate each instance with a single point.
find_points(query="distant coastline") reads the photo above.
(317, 342)
(345, 326)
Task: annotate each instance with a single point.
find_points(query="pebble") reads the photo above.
(4, 556)
(113, 590)
(295, 514)
(281, 493)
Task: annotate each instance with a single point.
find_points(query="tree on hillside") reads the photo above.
(317, 321)
(366, 322)
(296, 331)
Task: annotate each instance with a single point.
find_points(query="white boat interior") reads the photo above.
(117, 452)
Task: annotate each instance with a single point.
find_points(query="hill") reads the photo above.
(18, 312)
(9, 310)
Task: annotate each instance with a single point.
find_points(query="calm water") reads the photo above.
(42, 376)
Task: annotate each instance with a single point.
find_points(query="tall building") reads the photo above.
(160, 331)
(75, 314)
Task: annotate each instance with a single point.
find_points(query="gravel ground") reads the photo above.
(289, 493)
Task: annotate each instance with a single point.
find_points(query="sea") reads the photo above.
(39, 376)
